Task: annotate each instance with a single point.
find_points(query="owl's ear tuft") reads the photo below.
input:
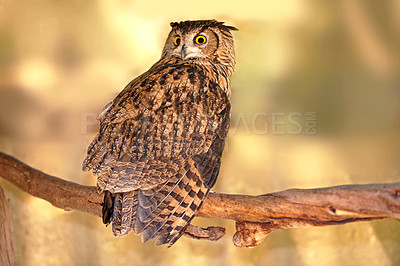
(230, 27)
(225, 27)
(174, 24)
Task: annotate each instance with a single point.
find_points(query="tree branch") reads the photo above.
(7, 251)
(255, 216)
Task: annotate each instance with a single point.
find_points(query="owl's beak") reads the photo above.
(183, 52)
(188, 52)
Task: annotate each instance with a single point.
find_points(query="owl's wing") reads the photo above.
(166, 210)
(159, 121)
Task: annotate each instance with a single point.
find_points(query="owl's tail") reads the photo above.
(120, 209)
(163, 212)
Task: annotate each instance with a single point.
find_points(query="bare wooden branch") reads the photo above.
(7, 251)
(255, 216)
(212, 233)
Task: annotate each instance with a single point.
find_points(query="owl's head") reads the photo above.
(201, 42)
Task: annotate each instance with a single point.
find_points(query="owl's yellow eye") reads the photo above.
(177, 40)
(200, 39)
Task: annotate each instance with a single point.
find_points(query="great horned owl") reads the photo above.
(159, 148)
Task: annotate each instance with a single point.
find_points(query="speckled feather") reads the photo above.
(160, 143)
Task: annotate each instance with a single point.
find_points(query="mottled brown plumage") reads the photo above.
(159, 148)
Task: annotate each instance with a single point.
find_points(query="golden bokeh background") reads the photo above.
(334, 64)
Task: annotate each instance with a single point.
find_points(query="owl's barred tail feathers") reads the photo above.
(123, 212)
(163, 212)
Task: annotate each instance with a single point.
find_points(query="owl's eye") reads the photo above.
(177, 40)
(200, 39)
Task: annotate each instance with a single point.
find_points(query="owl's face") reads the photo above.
(196, 44)
(201, 41)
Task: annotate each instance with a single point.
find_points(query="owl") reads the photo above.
(158, 151)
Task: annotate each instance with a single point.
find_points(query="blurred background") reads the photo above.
(316, 102)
